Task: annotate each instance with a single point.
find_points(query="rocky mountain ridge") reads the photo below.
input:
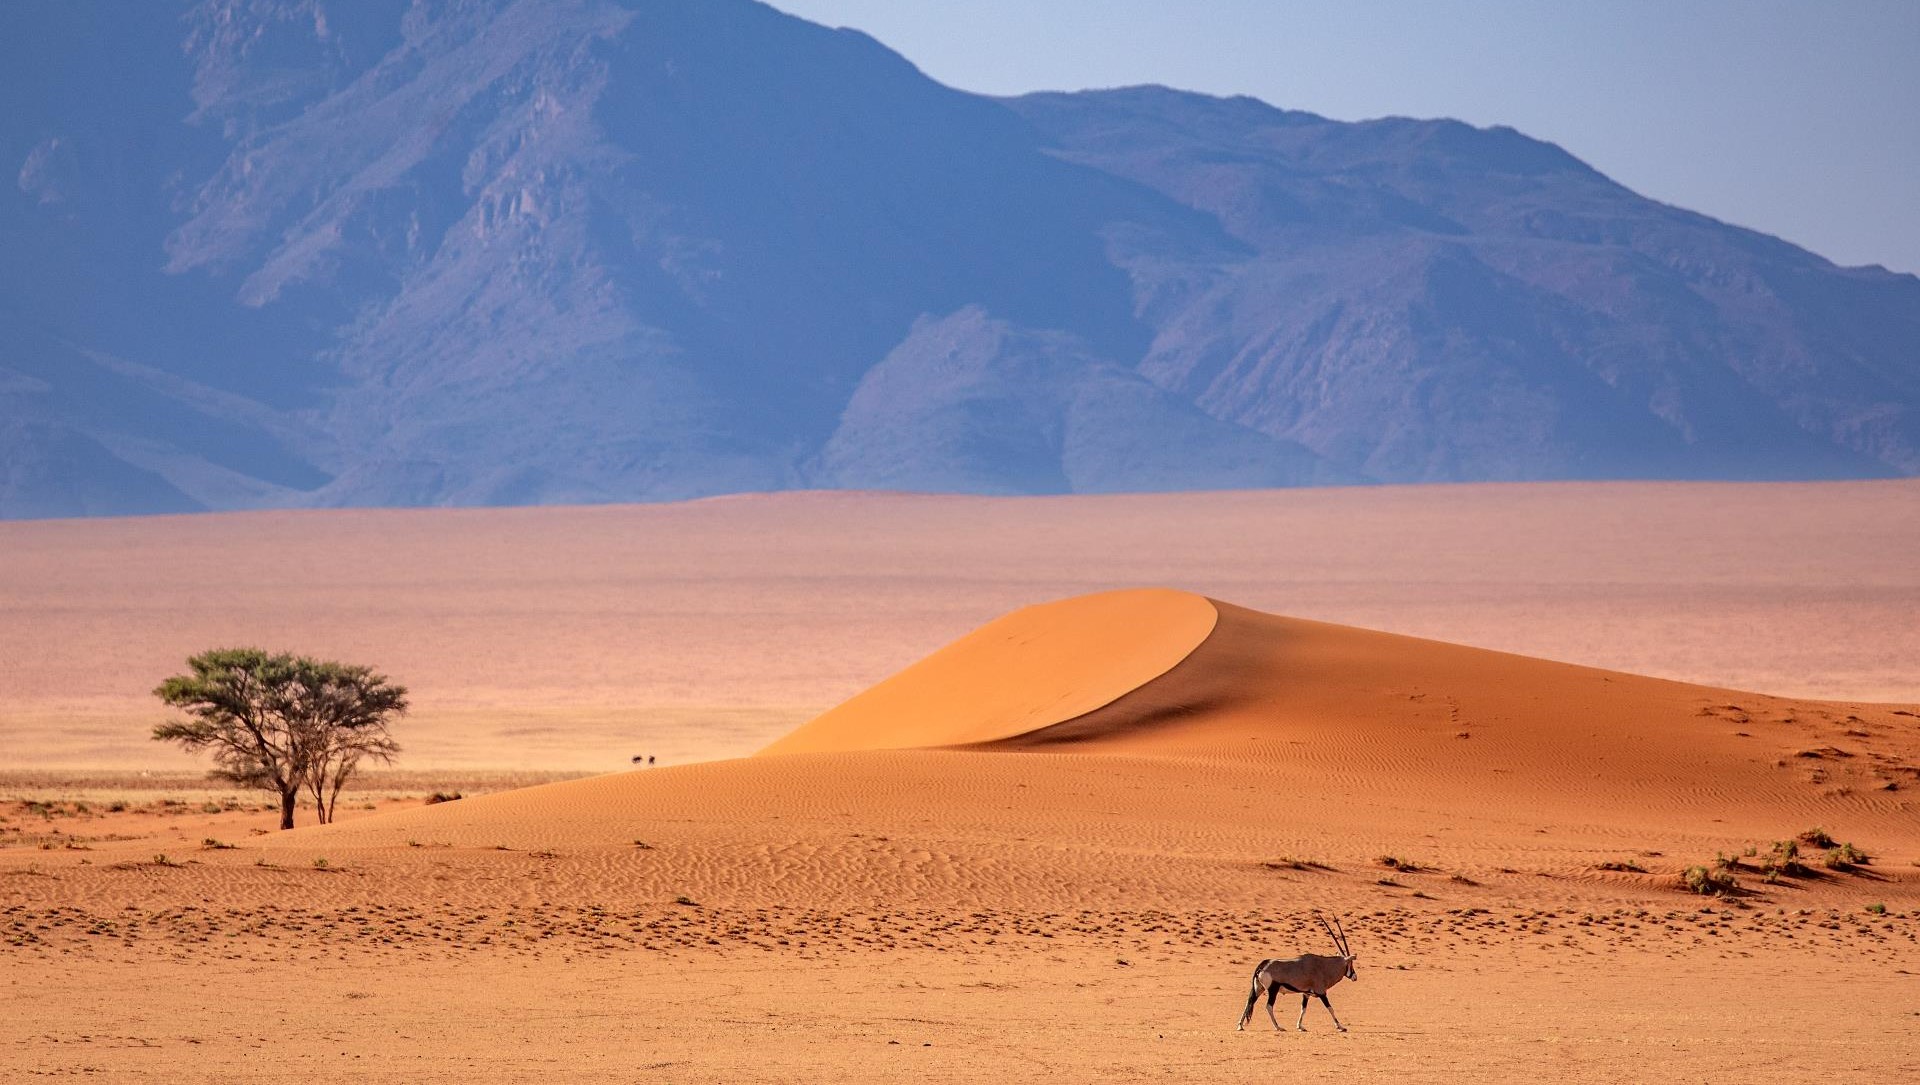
(303, 252)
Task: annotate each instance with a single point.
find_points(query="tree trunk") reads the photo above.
(287, 801)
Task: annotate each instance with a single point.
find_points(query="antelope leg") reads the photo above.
(1330, 1013)
(1273, 992)
(1301, 1025)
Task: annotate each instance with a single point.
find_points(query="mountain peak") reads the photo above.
(511, 252)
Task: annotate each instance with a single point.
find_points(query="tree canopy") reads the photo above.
(283, 723)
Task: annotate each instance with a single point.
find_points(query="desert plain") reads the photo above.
(1494, 729)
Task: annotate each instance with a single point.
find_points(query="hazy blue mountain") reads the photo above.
(311, 252)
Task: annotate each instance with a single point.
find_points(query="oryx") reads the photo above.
(1308, 975)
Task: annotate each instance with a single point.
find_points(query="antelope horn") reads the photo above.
(1329, 929)
(1344, 951)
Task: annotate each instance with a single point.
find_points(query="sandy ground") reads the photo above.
(1083, 897)
(1505, 839)
(832, 931)
(575, 638)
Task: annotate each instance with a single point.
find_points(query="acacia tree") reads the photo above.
(342, 711)
(282, 723)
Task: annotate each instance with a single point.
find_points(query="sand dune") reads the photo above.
(1313, 698)
(577, 637)
(1228, 718)
(1131, 797)
(1028, 671)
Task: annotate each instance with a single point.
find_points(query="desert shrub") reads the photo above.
(1783, 860)
(1845, 857)
(441, 796)
(1394, 862)
(1816, 837)
(1877, 909)
(1621, 865)
(1709, 881)
(1288, 862)
(320, 863)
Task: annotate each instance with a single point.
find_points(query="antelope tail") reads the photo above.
(1253, 991)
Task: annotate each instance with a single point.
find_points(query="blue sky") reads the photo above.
(1801, 119)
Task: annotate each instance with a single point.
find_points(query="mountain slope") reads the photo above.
(1431, 301)
(508, 252)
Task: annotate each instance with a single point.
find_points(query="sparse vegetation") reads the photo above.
(441, 796)
(687, 901)
(282, 723)
(1845, 857)
(1877, 909)
(1288, 862)
(1782, 861)
(1711, 881)
(320, 863)
(1622, 865)
(211, 844)
(1394, 862)
(1816, 837)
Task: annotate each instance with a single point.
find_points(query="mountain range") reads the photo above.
(270, 253)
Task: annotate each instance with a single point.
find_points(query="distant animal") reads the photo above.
(1308, 975)
(639, 757)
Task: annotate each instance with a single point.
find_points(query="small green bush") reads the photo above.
(1816, 837)
(1784, 859)
(1709, 881)
(1845, 857)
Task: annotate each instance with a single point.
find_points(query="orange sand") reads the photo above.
(1029, 670)
(1081, 900)
(576, 638)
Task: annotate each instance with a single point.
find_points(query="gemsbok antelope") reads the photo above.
(1308, 975)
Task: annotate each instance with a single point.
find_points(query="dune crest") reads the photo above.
(1166, 673)
(1027, 671)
